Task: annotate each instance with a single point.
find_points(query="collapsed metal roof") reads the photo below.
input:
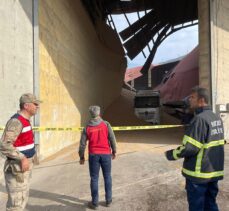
(161, 19)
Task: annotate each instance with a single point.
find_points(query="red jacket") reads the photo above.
(25, 141)
(98, 139)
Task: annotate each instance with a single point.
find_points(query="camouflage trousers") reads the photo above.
(17, 189)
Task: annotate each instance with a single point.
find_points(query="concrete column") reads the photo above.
(220, 53)
(16, 55)
(204, 44)
(36, 73)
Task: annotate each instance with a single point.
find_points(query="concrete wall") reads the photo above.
(78, 67)
(214, 51)
(16, 55)
(220, 54)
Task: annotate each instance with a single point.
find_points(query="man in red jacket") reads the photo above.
(102, 147)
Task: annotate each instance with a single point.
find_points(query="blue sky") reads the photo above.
(176, 45)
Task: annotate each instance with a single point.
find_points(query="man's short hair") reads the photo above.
(94, 111)
(201, 93)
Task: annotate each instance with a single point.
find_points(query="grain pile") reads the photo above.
(121, 112)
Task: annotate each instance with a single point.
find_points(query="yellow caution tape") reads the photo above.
(147, 127)
(116, 128)
(57, 128)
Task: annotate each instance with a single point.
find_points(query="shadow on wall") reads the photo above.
(26, 5)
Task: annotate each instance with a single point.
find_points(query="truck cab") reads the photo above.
(147, 106)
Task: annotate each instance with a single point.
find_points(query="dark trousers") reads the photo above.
(95, 161)
(202, 197)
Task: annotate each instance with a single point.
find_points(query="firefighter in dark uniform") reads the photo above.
(203, 153)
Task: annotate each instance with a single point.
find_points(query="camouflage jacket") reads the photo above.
(12, 131)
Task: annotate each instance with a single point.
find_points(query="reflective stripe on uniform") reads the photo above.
(23, 148)
(192, 141)
(214, 144)
(26, 129)
(201, 152)
(177, 151)
(197, 172)
(199, 160)
(203, 175)
(175, 154)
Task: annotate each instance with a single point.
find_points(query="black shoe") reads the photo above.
(108, 203)
(92, 206)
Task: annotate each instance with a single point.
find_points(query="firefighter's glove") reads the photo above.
(169, 155)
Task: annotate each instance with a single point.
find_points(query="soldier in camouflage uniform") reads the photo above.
(17, 144)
